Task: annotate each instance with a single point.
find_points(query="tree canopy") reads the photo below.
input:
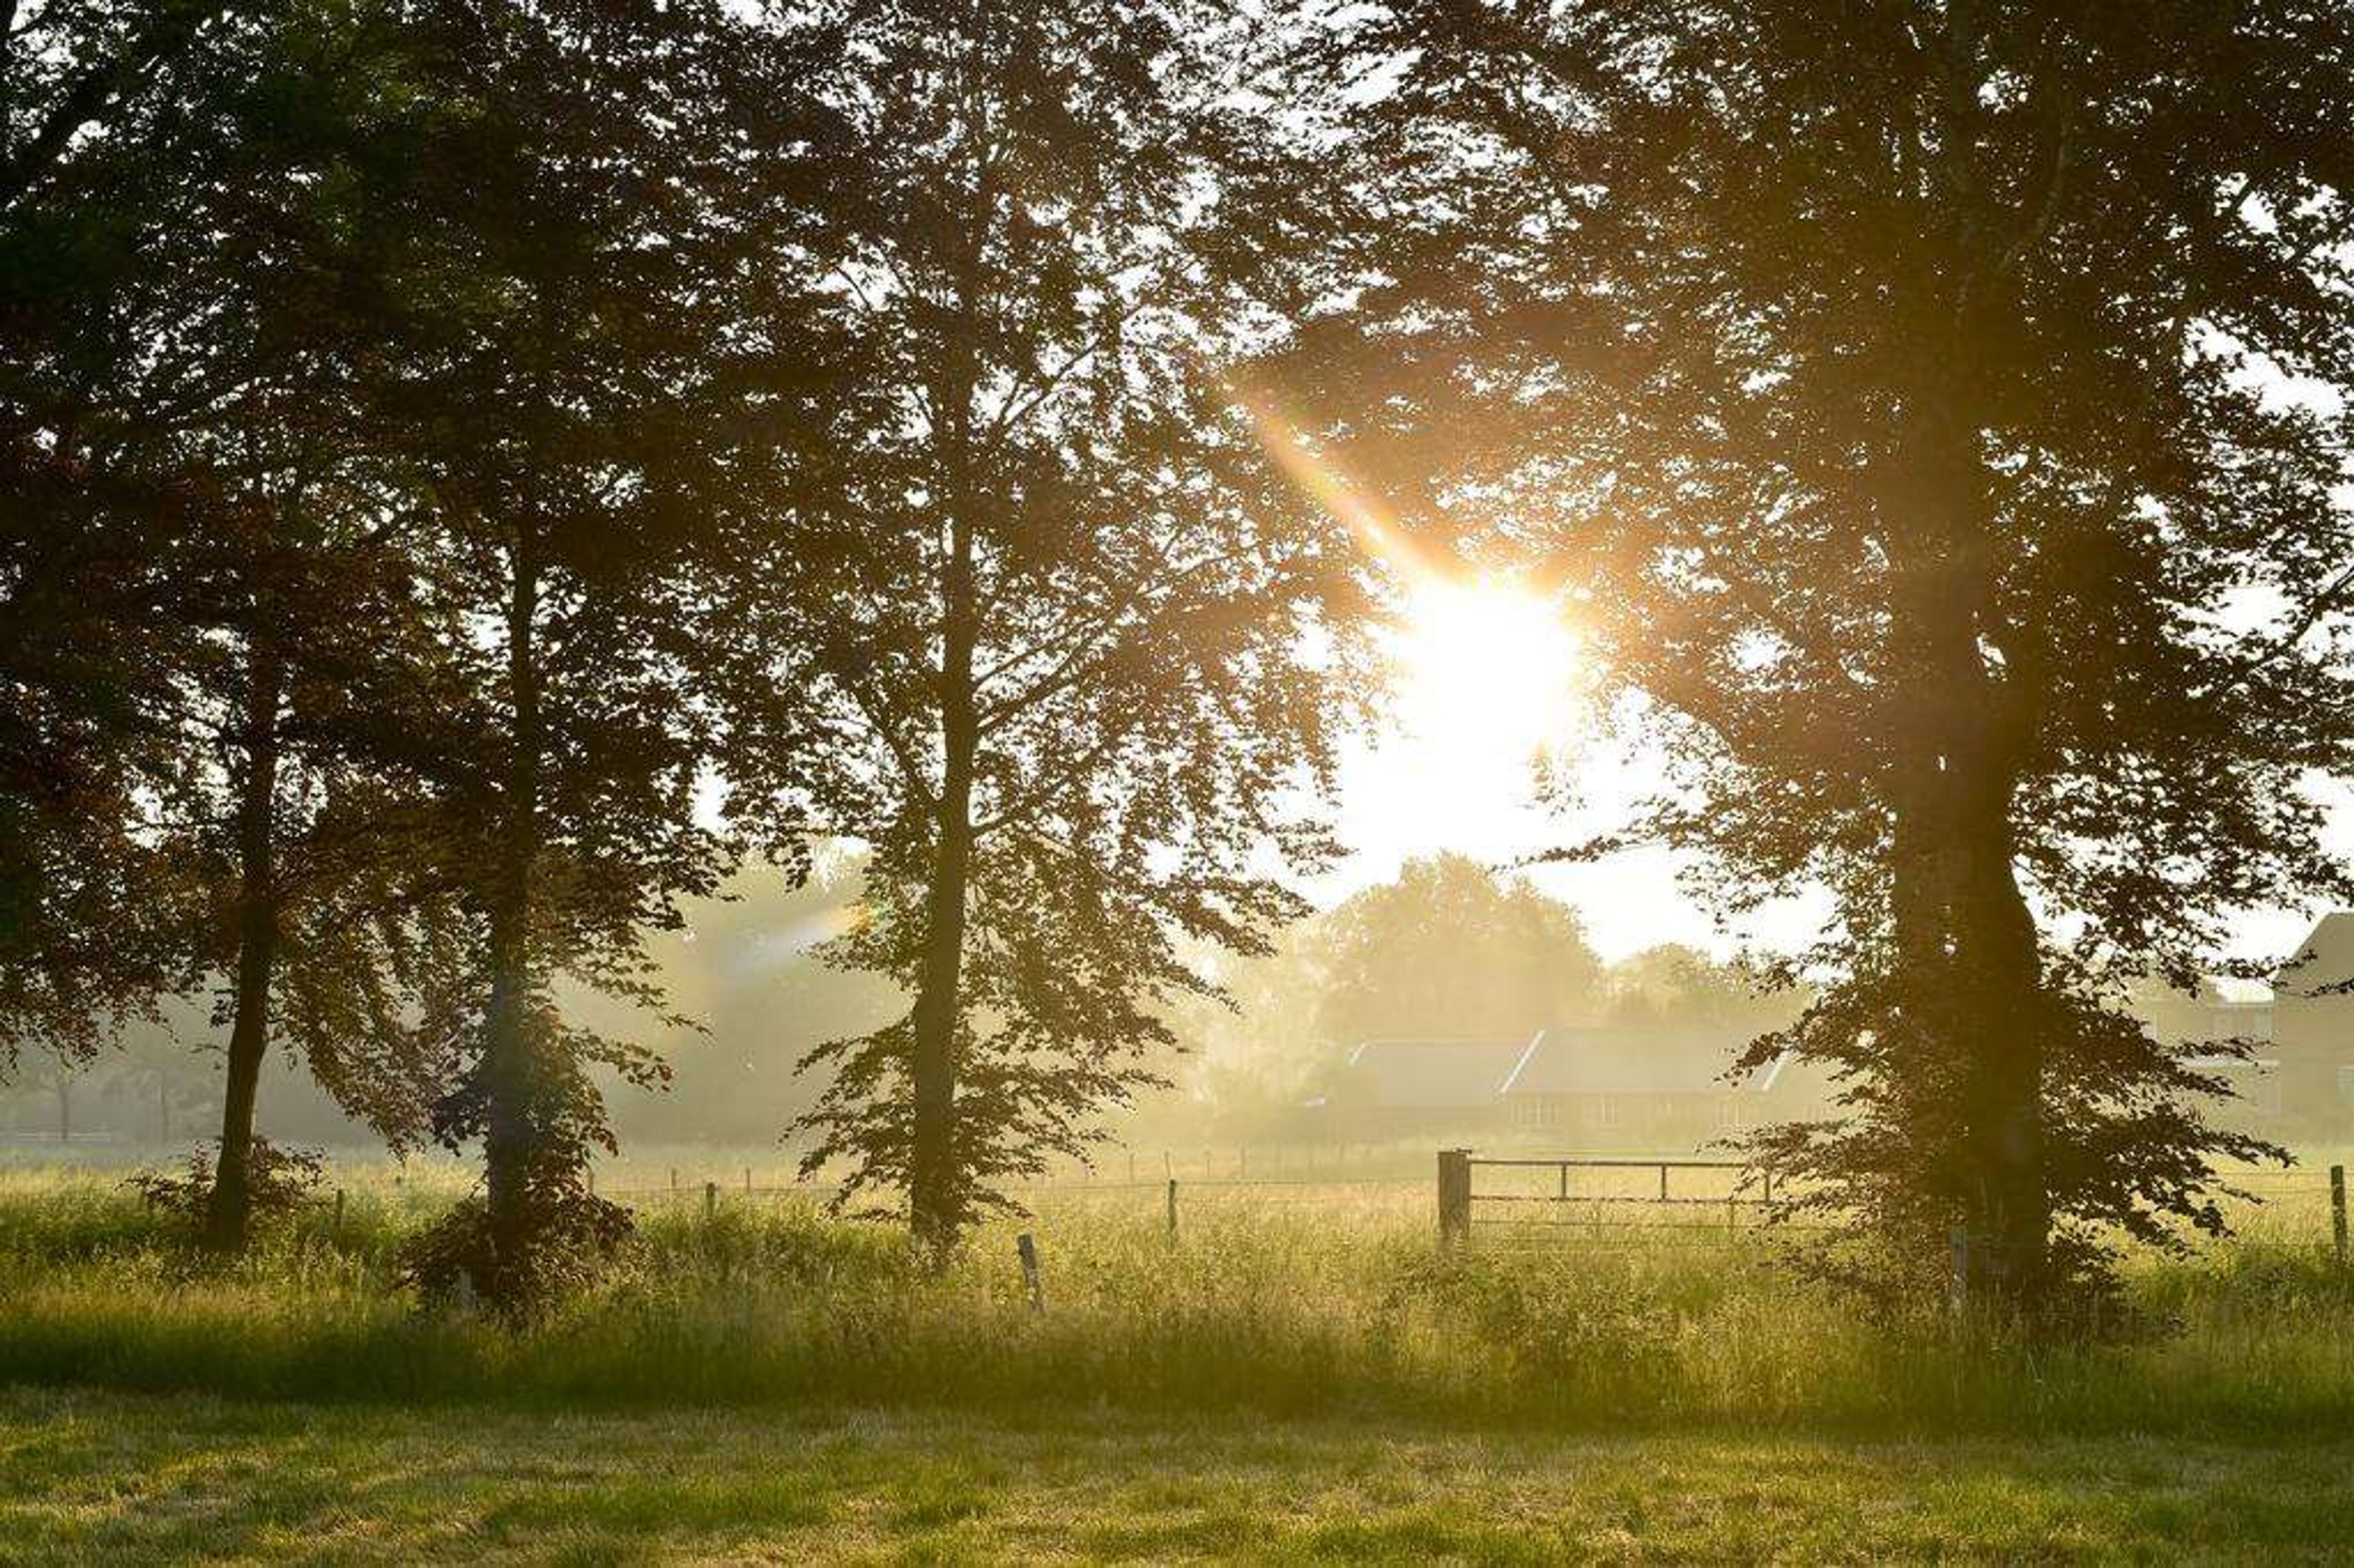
(1900, 388)
(1451, 949)
(1058, 641)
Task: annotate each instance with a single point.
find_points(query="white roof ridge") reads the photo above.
(1514, 1076)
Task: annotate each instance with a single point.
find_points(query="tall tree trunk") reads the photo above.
(228, 1215)
(1970, 964)
(936, 1186)
(935, 1208)
(511, 1136)
(2002, 972)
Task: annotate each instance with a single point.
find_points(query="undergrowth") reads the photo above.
(1343, 1306)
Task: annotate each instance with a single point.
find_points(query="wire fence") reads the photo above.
(1591, 1200)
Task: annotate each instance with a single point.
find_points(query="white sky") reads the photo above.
(1483, 679)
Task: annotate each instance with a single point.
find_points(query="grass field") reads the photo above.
(111, 1478)
(1300, 1374)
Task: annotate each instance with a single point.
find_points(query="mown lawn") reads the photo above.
(97, 1478)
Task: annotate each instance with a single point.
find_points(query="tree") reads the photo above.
(1059, 673)
(1900, 383)
(104, 120)
(316, 821)
(1678, 987)
(600, 362)
(745, 967)
(1452, 949)
(220, 392)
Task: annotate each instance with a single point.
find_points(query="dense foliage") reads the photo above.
(1936, 413)
(1056, 648)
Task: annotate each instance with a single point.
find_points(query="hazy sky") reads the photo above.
(1484, 679)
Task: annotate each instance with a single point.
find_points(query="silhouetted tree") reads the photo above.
(1901, 383)
(105, 136)
(211, 401)
(318, 826)
(612, 211)
(1062, 657)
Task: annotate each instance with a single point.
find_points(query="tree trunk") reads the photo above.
(936, 1203)
(228, 1215)
(510, 1134)
(936, 1185)
(1971, 977)
(2001, 970)
(1969, 963)
(1970, 968)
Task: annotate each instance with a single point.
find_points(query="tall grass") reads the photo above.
(1287, 1301)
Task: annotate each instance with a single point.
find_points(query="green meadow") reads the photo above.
(1301, 1372)
(108, 1478)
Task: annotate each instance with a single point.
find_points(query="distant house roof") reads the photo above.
(1433, 1074)
(1628, 1062)
(2325, 957)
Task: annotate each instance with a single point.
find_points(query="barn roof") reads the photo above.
(1613, 1060)
(2325, 958)
(1434, 1075)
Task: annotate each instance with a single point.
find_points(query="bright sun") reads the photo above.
(1483, 675)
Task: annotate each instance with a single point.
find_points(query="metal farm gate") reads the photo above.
(1595, 1195)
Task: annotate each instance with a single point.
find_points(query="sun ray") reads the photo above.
(1377, 535)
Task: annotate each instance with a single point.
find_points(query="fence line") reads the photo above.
(1461, 1206)
(1222, 1183)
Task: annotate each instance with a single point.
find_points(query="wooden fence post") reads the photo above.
(1027, 1250)
(1958, 1269)
(337, 1232)
(1172, 1208)
(710, 1199)
(2337, 1210)
(1453, 1195)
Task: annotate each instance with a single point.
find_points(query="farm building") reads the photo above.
(1594, 1084)
(2312, 1054)
(2297, 1081)
(2254, 1079)
(1401, 1086)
